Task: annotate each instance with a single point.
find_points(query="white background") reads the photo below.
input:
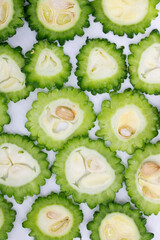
(26, 38)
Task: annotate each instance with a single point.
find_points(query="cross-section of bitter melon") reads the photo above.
(58, 19)
(89, 171)
(4, 117)
(23, 167)
(7, 217)
(12, 80)
(47, 65)
(118, 222)
(144, 64)
(128, 121)
(143, 179)
(54, 217)
(125, 16)
(59, 116)
(11, 14)
(101, 66)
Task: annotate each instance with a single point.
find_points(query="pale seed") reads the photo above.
(65, 113)
(60, 225)
(149, 168)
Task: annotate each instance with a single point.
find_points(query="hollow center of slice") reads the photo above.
(149, 65)
(125, 12)
(55, 220)
(100, 64)
(6, 12)
(17, 167)
(58, 15)
(61, 118)
(88, 171)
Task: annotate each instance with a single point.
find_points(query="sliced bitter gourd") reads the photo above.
(58, 19)
(7, 217)
(128, 121)
(12, 80)
(89, 171)
(142, 179)
(60, 115)
(47, 65)
(125, 16)
(120, 222)
(11, 13)
(4, 117)
(23, 167)
(144, 64)
(101, 66)
(54, 217)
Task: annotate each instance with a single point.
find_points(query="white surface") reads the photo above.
(25, 38)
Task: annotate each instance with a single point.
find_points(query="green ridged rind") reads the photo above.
(4, 117)
(9, 217)
(120, 30)
(74, 95)
(148, 207)
(36, 80)
(33, 187)
(100, 85)
(51, 35)
(15, 22)
(135, 215)
(134, 59)
(52, 199)
(59, 169)
(16, 55)
(109, 108)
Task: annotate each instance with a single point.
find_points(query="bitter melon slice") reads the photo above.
(58, 19)
(23, 167)
(4, 117)
(54, 217)
(128, 121)
(11, 14)
(89, 171)
(118, 222)
(125, 16)
(60, 115)
(101, 66)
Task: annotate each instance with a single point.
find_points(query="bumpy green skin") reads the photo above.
(117, 208)
(74, 95)
(109, 108)
(92, 200)
(148, 207)
(52, 199)
(36, 80)
(16, 55)
(4, 117)
(51, 35)
(106, 84)
(120, 30)
(15, 22)
(134, 59)
(33, 187)
(9, 217)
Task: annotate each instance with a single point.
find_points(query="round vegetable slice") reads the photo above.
(4, 117)
(47, 65)
(11, 14)
(58, 19)
(60, 115)
(89, 171)
(142, 179)
(116, 221)
(54, 217)
(101, 66)
(7, 217)
(125, 16)
(144, 66)
(128, 121)
(12, 80)
(23, 167)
